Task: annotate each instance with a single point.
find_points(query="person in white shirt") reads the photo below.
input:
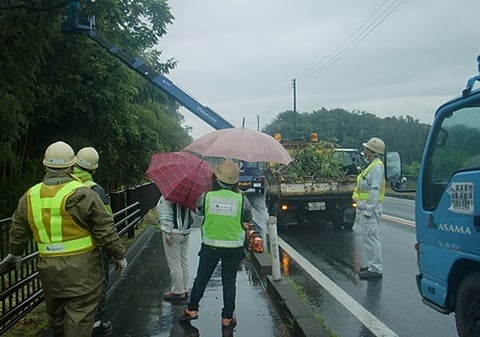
(175, 223)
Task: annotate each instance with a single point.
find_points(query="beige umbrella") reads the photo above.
(240, 143)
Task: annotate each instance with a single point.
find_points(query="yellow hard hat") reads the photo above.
(87, 158)
(227, 172)
(59, 155)
(376, 145)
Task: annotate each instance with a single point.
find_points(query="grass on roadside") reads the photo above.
(304, 298)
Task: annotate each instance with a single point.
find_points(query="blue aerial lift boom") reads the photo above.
(251, 175)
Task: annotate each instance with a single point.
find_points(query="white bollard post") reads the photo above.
(272, 230)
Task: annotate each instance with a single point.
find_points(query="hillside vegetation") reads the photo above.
(56, 86)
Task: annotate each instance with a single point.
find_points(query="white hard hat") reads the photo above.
(59, 155)
(87, 158)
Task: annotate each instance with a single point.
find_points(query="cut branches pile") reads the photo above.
(314, 161)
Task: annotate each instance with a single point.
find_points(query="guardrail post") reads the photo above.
(131, 198)
(272, 230)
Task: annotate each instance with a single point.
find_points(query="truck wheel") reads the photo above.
(467, 306)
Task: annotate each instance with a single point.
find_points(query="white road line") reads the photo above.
(362, 314)
(399, 220)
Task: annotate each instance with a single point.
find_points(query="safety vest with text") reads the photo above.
(54, 229)
(222, 226)
(358, 194)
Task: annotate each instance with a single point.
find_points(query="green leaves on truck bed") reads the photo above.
(313, 161)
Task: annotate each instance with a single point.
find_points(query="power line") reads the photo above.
(365, 29)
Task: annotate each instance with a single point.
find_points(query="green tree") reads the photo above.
(57, 86)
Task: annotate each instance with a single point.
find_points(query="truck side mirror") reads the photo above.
(393, 166)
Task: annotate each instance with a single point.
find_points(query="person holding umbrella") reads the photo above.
(175, 223)
(224, 210)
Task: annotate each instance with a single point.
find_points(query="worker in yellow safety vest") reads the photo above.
(368, 194)
(69, 222)
(86, 163)
(224, 210)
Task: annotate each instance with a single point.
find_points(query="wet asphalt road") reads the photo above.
(136, 307)
(394, 300)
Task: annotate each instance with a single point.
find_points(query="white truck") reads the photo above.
(324, 195)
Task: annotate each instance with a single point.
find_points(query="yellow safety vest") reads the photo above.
(358, 194)
(222, 226)
(54, 229)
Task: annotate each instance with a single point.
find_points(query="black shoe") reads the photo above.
(363, 268)
(369, 275)
(104, 329)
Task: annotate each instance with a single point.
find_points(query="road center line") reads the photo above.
(362, 314)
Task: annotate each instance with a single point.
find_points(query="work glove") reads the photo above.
(121, 266)
(10, 262)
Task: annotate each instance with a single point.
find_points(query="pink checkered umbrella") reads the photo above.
(180, 176)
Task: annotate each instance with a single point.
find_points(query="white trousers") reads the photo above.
(371, 240)
(177, 260)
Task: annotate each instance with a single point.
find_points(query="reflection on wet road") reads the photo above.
(136, 307)
(338, 254)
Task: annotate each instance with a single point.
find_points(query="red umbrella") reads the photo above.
(180, 176)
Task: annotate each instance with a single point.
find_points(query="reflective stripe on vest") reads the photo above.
(363, 195)
(49, 220)
(222, 225)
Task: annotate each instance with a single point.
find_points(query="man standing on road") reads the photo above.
(86, 163)
(369, 194)
(69, 222)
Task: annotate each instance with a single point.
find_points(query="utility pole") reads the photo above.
(258, 122)
(294, 108)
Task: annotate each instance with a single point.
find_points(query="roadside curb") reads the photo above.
(285, 298)
(133, 252)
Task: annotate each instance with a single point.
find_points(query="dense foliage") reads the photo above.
(55, 86)
(350, 129)
(313, 161)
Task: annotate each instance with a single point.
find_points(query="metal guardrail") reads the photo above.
(21, 291)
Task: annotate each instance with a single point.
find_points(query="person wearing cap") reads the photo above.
(86, 163)
(224, 210)
(69, 222)
(369, 194)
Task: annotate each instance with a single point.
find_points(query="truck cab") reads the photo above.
(252, 176)
(447, 212)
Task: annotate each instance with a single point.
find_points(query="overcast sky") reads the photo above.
(386, 57)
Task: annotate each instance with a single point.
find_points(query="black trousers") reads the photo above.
(209, 258)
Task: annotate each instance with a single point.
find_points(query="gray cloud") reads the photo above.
(239, 57)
